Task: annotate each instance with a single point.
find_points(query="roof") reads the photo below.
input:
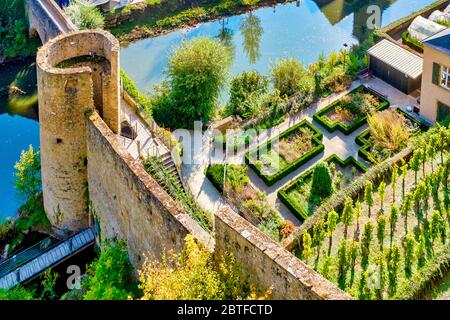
(397, 57)
(439, 41)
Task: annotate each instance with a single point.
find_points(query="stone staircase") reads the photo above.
(170, 167)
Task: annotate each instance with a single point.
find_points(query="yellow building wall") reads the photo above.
(431, 93)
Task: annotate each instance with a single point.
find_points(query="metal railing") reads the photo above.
(27, 255)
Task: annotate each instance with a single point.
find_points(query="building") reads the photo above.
(395, 65)
(435, 91)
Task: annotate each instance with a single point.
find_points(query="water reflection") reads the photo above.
(251, 31)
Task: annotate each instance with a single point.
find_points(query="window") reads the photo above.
(443, 111)
(445, 77)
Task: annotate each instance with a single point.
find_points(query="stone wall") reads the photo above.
(129, 203)
(268, 264)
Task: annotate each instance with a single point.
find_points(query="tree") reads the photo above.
(382, 194)
(424, 153)
(247, 86)
(48, 283)
(431, 151)
(415, 161)
(394, 180)
(379, 259)
(28, 174)
(364, 292)
(193, 274)
(438, 227)
(443, 137)
(404, 169)
(409, 246)
(289, 75)
(85, 15)
(393, 266)
(251, 31)
(358, 215)
(365, 244)
(381, 230)
(353, 253)
(318, 236)
(406, 207)
(17, 293)
(307, 242)
(332, 220)
(342, 261)
(197, 71)
(110, 276)
(347, 215)
(421, 251)
(322, 183)
(393, 218)
(326, 268)
(417, 199)
(368, 196)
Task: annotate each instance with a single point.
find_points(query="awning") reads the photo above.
(398, 58)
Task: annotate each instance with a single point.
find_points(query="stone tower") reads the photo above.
(76, 73)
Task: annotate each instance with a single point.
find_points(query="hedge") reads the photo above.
(272, 179)
(363, 138)
(331, 126)
(214, 173)
(283, 193)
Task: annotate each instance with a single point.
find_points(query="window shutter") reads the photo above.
(436, 69)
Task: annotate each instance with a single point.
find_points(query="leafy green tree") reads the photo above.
(443, 139)
(404, 170)
(347, 215)
(288, 76)
(332, 220)
(28, 174)
(421, 251)
(251, 31)
(382, 194)
(417, 202)
(365, 244)
(368, 196)
(110, 276)
(415, 162)
(364, 292)
(353, 253)
(406, 208)
(326, 267)
(342, 264)
(247, 86)
(197, 72)
(394, 179)
(85, 15)
(431, 151)
(393, 267)
(318, 237)
(393, 219)
(409, 246)
(381, 230)
(358, 215)
(380, 261)
(17, 293)
(48, 283)
(306, 248)
(438, 227)
(322, 183)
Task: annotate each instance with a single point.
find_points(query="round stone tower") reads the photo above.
(77, 72)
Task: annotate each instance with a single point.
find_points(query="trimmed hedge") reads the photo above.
(331, 126)
(272, 179)
(214, 173)
(283, 193)
(363, 138)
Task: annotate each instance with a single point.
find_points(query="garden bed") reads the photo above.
(296, 196)
(368, 152)
(285, 153)
(350, 112)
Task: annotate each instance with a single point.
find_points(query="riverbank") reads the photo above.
(146, 20)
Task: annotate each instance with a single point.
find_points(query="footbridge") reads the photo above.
(47, 253)
(47, 19)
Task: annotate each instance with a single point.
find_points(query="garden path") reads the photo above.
(335, 143)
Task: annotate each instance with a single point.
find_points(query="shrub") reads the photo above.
(215, 173)
(388, 130)
(290, 78)
(246, 88)
(322, 184)
(84, 15)
(197, 71)
(17, 293)
(28, 174)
